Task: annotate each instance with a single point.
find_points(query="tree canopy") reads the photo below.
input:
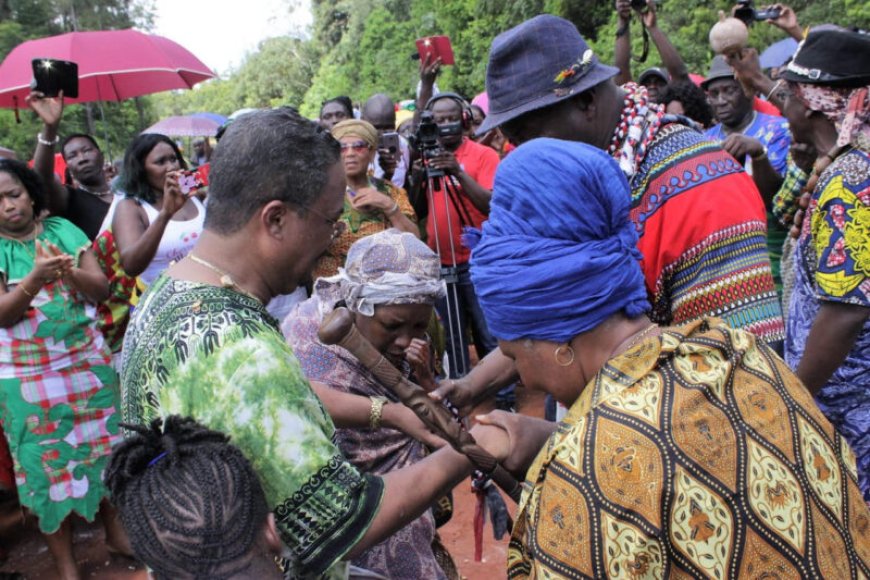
(360, 47)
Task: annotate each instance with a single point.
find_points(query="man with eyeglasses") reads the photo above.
(86, 201)
(201, 344)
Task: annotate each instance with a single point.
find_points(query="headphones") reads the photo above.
(466, 116)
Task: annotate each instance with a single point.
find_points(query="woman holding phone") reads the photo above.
(371, 205)
(156, 224)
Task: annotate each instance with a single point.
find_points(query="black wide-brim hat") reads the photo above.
(838, 58)
(540, 62)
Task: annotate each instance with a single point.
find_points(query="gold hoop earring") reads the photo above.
(558, 354)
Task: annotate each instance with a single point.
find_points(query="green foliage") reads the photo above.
(361, 47)
(113, 124)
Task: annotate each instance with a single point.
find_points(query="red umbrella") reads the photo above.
(113, 65)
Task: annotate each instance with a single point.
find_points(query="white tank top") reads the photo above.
(177, 241)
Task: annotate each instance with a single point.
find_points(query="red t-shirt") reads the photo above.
(765, 107)
(479, 162)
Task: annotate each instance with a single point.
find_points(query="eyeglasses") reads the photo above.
(358, 146)
(337, 225)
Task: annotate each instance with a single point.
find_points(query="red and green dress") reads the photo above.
(58, 390)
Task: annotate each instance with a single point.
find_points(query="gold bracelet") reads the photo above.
(26, 291)
(376, 412)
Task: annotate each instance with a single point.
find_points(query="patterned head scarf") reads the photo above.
(847, 108)
(356, 128)
(390, 267)
(558, 255)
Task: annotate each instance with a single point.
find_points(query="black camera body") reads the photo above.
(425, 140)
(746, 12)
(639, 5)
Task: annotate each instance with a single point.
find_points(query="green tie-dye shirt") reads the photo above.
(217, 356)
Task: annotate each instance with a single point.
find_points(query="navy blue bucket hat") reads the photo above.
(536, 64)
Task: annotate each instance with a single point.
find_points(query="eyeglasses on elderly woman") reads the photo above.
(358, 146)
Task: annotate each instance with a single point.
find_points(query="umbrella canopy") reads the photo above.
(219, 119)
(777, 53)
(185, 126)
(113, 65)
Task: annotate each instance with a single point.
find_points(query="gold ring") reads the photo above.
(58, 273)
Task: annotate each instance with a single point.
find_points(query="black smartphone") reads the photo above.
(51, 76)
(389, 141)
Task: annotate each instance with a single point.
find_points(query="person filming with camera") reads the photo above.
(456, 176)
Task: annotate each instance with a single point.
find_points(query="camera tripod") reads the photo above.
(436, 181)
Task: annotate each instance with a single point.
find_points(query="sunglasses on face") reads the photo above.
(358, 146)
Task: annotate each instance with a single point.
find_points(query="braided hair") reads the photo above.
(189, 500)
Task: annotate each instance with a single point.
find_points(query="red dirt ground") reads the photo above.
(28, 554)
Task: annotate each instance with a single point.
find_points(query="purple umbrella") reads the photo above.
(185, 126)
(778, 53)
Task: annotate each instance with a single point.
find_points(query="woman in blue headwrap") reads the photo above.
(689, 451)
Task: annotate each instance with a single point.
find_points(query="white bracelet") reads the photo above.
(43, 141)
(393, 210)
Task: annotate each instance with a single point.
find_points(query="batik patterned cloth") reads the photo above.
(407, 554)
(703, 235)
(217, 356)
(360, 225)
(58, 391)
(696, 454)
(832, 264)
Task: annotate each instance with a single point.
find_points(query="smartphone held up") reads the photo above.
(190, 182)
(52, 76)
(433, 48)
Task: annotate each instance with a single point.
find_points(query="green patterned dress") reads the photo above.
(58, 391)
(217, 356)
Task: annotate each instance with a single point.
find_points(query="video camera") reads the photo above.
(641, 4)
(748, 14)
(425, 140)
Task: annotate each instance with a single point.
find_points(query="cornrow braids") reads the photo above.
(189, 500)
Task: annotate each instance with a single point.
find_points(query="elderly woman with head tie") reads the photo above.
(371, 205)
(687, 451)
(390, 283)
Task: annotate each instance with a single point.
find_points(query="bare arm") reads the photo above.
(138, 240)
(403, 223)
(766, 178)
(670, 57)
(350, 411)
(831, 337)
(428, 72)
(787, 21)
(412, 490)
(89, 279)
(622, 48)
(492, 373)
(50, 111)
(479, 195)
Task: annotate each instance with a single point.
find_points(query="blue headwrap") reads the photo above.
(558, 254)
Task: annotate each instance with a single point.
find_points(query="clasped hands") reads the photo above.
(51, 263)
